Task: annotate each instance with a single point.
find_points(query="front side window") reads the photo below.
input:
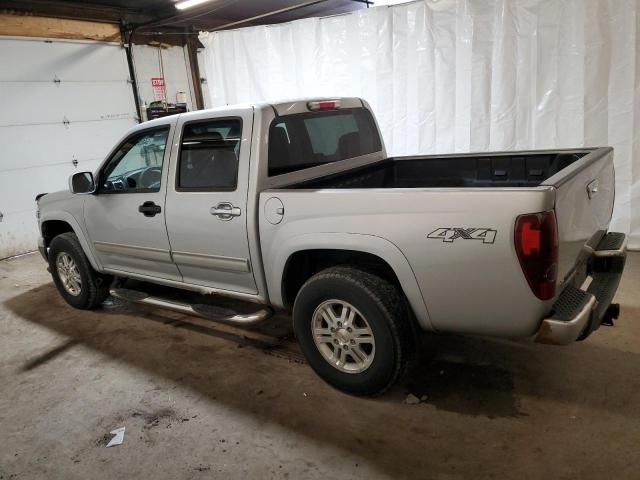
(209, 155)
(137, 164)
(310, 139)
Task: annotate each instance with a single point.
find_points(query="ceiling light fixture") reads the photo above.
(189, 3)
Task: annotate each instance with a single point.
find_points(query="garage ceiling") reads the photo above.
(163, 14)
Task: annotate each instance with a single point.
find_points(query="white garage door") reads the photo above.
(64, 104)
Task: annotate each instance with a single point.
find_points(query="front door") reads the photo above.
(125, 219)
(207, 201)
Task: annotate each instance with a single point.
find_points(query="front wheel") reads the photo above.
(353, 329)
(78, 283)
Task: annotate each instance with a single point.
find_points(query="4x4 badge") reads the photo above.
(487, 235)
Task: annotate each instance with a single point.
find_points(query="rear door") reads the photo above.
(206, 207)
(125, 218)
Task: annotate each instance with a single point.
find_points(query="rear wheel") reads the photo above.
(353, 330)
(78, 283)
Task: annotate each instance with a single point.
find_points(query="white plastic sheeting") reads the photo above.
(459, 76)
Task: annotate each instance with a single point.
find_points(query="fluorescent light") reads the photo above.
(189, 3)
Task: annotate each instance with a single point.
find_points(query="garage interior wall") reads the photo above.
(146, 60)
(461, 75)
(64, 105)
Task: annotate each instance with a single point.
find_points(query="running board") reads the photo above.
(210, 312)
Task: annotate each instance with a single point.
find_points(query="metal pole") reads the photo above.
(186, 18)
(269, 14)
(126, 43)
(192, 54)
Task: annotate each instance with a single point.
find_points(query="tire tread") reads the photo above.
(98, 284)
(390, 301)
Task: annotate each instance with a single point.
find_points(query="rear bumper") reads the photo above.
(578, 312)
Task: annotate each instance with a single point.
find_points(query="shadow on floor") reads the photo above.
(468, 379)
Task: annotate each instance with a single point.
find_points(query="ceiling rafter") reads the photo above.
(162, 13)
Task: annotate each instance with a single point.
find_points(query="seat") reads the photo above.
(349, 145)
(279, 149)
(221, 172)
(207, 163)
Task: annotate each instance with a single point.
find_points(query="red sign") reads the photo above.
(158, 88)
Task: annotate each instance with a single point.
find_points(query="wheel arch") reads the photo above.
(53, 228)
(62, 222)
(303, 256)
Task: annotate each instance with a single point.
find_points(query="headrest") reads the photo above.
(349, 145)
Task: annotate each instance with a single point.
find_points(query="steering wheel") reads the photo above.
(150, 178)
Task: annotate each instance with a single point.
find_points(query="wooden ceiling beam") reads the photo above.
(31, 26)
(74, 10)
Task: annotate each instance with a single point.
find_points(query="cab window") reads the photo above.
(209, 154)
(307, 140)
(137, 164)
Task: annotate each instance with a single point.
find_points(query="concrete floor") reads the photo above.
(203, 401)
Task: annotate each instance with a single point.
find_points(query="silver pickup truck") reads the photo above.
(295, 207)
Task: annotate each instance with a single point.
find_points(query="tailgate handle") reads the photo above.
(592, 189)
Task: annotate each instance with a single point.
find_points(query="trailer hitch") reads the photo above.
(611, 313)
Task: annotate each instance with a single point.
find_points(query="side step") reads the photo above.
(210, 312)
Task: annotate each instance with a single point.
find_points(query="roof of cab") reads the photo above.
(282, 107)
(285, 106)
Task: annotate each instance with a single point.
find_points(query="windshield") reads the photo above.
(309, 139)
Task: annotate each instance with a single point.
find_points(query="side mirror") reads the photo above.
(82, 183)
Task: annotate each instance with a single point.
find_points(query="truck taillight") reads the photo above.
(324, 105)
(536, 241)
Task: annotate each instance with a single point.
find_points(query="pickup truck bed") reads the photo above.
(521, 169)
(454, 218)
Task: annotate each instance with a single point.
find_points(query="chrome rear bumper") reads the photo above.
(577, 313)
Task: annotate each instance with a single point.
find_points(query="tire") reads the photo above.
(378, 305)
(92, 288)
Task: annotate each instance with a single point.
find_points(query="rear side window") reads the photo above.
(209, 154)
(310, 139)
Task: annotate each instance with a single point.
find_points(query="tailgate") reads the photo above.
(584, 202)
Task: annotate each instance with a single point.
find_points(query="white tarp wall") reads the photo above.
(459, 76)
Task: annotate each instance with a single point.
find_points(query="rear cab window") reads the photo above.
(307, 140)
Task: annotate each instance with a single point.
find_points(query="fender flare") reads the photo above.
(371, 244)
(62, 216)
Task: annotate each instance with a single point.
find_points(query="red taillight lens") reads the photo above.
(323, 105)
(536, 240)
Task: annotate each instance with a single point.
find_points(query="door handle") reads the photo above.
(149, 209)
(225, 211)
